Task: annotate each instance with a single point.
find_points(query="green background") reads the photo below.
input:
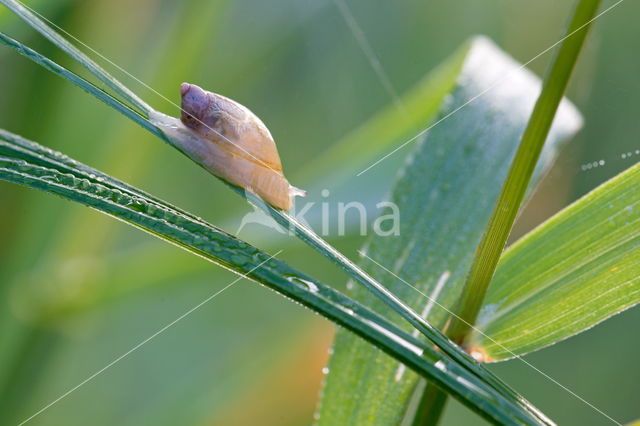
(250, 356)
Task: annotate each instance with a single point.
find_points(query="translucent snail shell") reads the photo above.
(229, 141)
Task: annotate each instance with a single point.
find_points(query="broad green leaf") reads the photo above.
(445, 195)
(29, 164)
(577, 269)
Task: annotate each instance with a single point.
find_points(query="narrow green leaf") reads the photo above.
(577, 269)
(29, 164)
(465, 313)
(445, 195)
(521, 170)
(34, 21)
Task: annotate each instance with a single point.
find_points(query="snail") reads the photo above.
(231, 142)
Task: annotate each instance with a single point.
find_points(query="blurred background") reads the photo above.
(80, 289)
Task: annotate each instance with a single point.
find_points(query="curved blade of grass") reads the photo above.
(577, 269)
(29, 164)
(95, 69)
(81, 83)
(35, 154)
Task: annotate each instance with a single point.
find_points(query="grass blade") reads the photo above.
(522, 167)
(29, 164)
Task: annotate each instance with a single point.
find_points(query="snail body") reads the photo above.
(231, 142)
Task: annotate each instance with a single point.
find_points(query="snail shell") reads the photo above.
(234, 144)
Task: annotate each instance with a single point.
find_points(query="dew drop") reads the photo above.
(305, 283)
